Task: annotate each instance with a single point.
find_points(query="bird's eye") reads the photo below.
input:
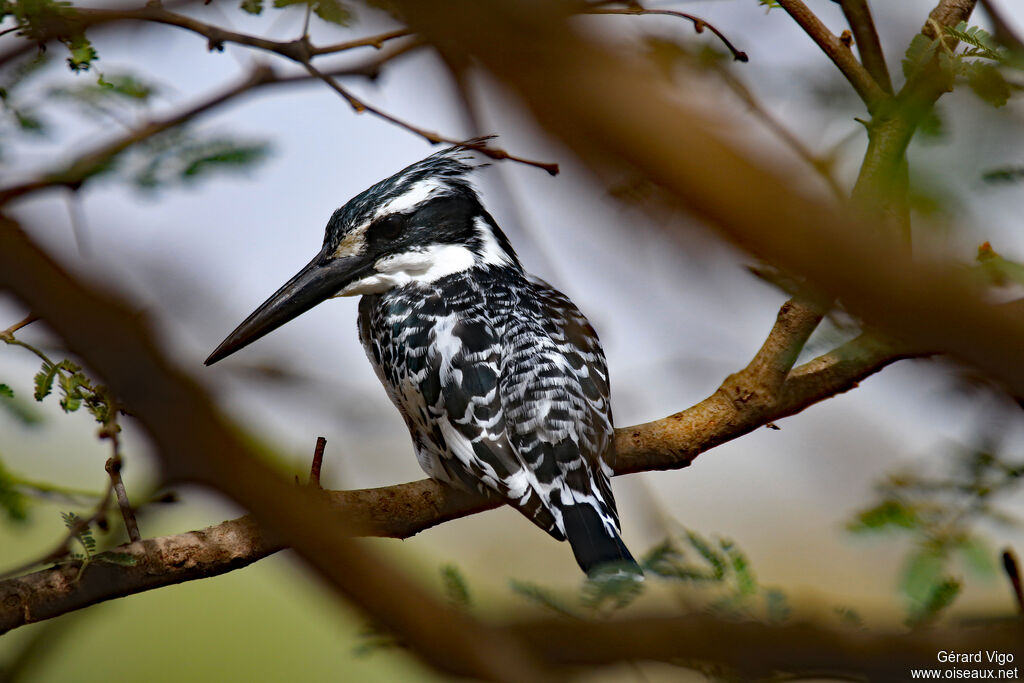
(389, 227)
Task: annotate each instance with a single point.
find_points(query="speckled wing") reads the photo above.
(440, 360)
(556, 401)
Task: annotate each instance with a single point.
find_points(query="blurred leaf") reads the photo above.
(888, 513)
(332, 11)
(82, 53)
(919, 54)
(219, 155)
(543, 597)
(713, 557)
(455, 587)
(776, 605)
(252, 6)
(125, 85)
(923, 571)
(619, 587)
(978, 555)
(746, 583)
(941, 595)
(1008, 174)
(17, 408)
(29, 122)
(12, 501)
(988, 84)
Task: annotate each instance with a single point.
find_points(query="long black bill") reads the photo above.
(321, 279)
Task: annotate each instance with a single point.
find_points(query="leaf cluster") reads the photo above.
(978, 62)
(331, 11)
(41, 20)
(940, 515)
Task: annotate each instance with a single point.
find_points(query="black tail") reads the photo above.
(596, 551)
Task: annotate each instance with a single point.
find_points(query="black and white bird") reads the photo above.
(501, 380)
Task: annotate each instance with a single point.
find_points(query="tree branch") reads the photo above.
(698, 24)
(403, 510)
(858, 16)
(870, 92)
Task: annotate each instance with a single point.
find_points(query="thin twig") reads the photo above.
(359, 106)
(27, 320)
(870, 92)
(318, 462)
(858, 16)
(698, 24)
(113, 468)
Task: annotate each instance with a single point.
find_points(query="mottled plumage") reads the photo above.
(499, 377)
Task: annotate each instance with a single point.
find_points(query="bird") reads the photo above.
(501, 380)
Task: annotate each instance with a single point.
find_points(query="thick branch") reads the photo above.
(838, 52)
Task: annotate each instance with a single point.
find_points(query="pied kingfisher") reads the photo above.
(501, 380)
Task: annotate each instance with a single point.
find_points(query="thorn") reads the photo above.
(318, 461)
(772, 425)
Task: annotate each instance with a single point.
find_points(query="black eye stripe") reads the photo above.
(388, 227)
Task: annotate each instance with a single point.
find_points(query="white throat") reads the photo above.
(422, 265)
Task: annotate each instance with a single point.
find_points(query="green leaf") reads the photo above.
(542, 596)
(252, 6)
(221, 155)
(125, 85)
(746, 583)
(982, 44)
(988, 83)
(713, 557)
(82, 53)
(1006, 174)
(922, 573)
(333, 12)
(12, 501)
(455, 587)
(919, 54)
(888, 513)
(44, 380)
(942, 594)
(29, 122)
(6, 391)
(618, 586)
(978, 555)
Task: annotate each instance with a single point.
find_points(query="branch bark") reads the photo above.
(869, 90)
